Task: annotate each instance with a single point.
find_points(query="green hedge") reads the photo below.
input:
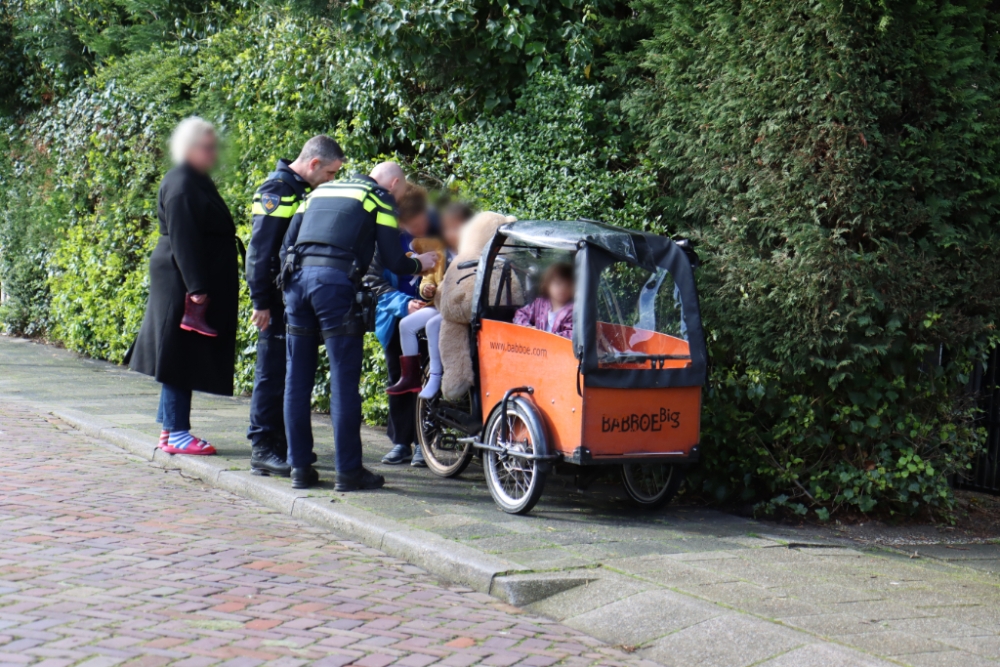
(839, 163)
(836, 161)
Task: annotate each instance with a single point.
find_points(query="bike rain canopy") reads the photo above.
(636, 322)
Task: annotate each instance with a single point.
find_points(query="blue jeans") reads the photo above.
(267, 400)
(175, 408)
(316, 299)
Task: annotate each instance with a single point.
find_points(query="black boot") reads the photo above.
(264, 460)
(359, 480)
(280, 446)
(303, 478)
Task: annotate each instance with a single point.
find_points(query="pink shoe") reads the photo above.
(197, 447)
(164, 439)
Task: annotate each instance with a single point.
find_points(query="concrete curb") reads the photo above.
(450, 560)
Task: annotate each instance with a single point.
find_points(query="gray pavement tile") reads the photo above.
(780, 607)
(603, 530)
(703, 556)
(961, 551)
(641, 618)
(945, 659)
(825, 655)
(888, 642)
(828, 625)
(781, 555)
(985, 646)
(666, 571)
(445, 520)
(731, 640)
(572, 536)
(753, 542)
(582, 599)
(825, 594)
(549, 558)
(985, 615)
(508, 545)
(483, 530)
(733, 593)
(604, 551)
(938, 627)
(707, 544)
(744, 568)
(880, 610)
(990, 566)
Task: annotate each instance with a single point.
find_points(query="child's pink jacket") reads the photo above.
(536, 314)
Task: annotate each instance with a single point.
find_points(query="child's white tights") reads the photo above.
(428, 319)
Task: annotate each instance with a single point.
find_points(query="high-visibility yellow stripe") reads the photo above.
(289, 199)
(347, 193)
(387, 219)
(370, 205)
(381, 203)
(284, 211)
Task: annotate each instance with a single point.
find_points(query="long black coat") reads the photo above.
(196, 253)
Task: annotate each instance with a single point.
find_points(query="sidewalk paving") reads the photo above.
(687, 586)
(108, 561)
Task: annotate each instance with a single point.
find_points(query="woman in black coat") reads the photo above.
(188, 335)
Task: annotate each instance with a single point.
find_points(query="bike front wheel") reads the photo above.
(516, 483)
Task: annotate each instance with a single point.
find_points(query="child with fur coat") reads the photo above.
(428, 318)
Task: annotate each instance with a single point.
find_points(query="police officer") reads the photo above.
(274, 204)
(328, 248)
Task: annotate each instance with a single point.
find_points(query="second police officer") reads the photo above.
(326, 252)
(274, 204)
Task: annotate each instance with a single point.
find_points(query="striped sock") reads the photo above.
(164, 438)
(180, 439)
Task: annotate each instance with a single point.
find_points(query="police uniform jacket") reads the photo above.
(274, 204)
(346, 221)
(195, 253)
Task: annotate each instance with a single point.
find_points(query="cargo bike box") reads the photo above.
(625, 391)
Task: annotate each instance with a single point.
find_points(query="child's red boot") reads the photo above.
(409, 377)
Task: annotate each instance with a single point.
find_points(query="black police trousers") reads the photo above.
(267, 418)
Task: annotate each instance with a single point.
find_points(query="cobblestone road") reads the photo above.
(109, 561)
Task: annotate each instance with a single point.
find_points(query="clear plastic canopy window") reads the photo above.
(568, 235)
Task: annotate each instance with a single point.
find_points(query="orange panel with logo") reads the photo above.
(511, 356)
(641, 422)
(610, 422)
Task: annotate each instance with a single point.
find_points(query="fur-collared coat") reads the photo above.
(454, 301)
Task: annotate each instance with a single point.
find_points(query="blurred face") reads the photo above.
(416, 226)
(204, 154)
(560, 291)
(319, 172)
(451, 231)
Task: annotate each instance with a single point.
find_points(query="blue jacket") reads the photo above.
(394, 293)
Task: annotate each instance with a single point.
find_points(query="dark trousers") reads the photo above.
(316, 299)
(175, 408)
(402, 408)
(267, 401)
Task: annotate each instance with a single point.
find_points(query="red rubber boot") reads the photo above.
(409, 377)
(194, 317)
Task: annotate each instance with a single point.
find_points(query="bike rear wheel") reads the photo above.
(652, 485)
(445, 456)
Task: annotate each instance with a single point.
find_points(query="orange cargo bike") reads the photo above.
(624, 391)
